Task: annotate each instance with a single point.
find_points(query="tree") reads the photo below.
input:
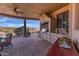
(20, 31)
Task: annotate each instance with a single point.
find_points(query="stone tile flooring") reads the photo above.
(31, 46)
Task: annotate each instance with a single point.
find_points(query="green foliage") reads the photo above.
(20, 31)
(62, 40)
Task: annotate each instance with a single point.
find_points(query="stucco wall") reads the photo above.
(75, 21)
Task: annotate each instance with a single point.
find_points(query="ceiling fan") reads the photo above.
(16, 10)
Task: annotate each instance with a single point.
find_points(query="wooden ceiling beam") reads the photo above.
(21, 17)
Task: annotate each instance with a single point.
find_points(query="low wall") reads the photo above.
(54, 37)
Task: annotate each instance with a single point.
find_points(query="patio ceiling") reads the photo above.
(30, 10)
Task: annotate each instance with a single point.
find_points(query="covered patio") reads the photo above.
(55, 23)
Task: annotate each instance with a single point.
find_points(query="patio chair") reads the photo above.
(6, 42)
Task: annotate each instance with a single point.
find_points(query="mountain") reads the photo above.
(7, 29)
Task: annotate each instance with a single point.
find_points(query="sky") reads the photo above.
(16, 22)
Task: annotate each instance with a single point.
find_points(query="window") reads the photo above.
(63, 21)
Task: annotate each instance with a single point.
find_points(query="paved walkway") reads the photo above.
(31, 46)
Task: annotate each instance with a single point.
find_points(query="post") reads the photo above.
(24, 27)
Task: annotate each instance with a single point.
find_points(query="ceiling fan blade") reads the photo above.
(20, 12)
(16, 13)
